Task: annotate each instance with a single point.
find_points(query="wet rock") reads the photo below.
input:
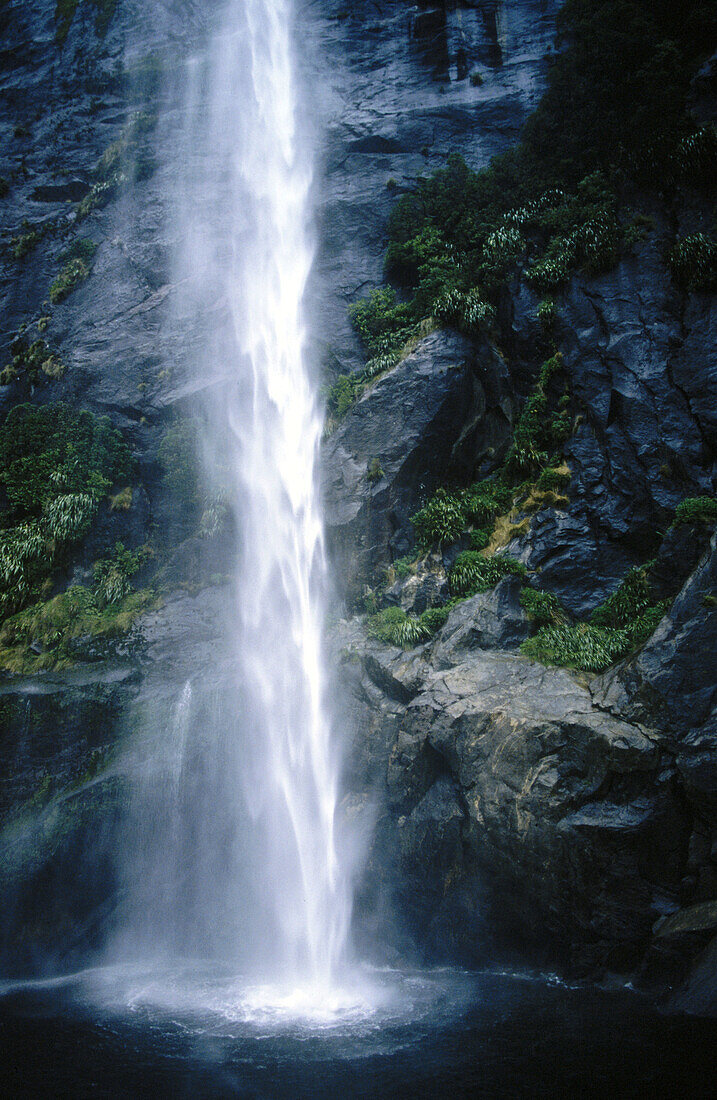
(491, 620)
(443, 410)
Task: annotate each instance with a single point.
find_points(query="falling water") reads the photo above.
(232, 852)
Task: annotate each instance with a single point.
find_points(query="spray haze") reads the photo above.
(231, 851)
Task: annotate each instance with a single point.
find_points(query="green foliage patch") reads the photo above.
(56, 463)
(77, 265)
(45, 635)
(543, 607)
(393, 626)
(696, 510)
(34, 363)
(693, 262)
(474, 573)
(620, 625)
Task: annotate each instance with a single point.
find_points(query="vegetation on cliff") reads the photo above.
(613, 119)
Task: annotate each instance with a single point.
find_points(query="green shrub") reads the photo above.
(68, 517)
(468, 312)
(693, 263)
(374, 471)
(434, 618)
(621, 624)
(99, 196)
(24, 243)
(33, 363)
(113, 575)
(55, 626)
(394, 627)
(72, 275)
(55, 464)
(441, 521)
(554, 479)
(543, 607)
(403, 567)
(627, 603)
(381, 321)
(588, 648)
(696, 510)
(547, 314)
(473, 573)
(50, 450)
(214, 517)
(537, 433)
(384, 624)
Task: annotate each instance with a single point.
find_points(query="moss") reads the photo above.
(696, 510)
(52, 627)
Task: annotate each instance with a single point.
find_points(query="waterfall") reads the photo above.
(231, 851)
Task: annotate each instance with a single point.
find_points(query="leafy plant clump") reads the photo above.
(539, 434)
(77, 261)
(113, 576)
(49, 634)
(693, 263)
(696, 510)
(450, 512)
(56, 464)
(623, 623)
(543, 608)
(474, 573)
(33, 363)
(394, 627)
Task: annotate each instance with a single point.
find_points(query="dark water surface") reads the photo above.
(445, 1035)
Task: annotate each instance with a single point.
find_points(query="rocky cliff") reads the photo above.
(566, 814)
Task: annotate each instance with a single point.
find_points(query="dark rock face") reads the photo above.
(643, 375)
(395, 100)
(555, 819)
(443, 411)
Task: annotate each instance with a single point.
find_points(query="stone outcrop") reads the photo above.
(443, 412)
